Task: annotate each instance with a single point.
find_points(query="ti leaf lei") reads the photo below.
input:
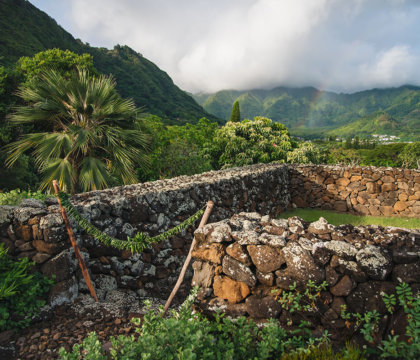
(135, 244)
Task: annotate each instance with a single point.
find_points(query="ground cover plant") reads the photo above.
(189, 335)
(336, 218)
(22, 293)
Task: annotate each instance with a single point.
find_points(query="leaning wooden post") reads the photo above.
(203, 222)
(82, 265)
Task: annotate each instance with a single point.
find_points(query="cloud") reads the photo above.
(341, 45)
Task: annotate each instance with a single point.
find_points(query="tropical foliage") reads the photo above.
(22, 293)
(235, 116)
(249, 142)
(92, 138)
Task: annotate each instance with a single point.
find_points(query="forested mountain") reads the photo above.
(26, 30)
(308, 111)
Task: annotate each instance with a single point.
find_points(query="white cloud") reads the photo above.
(343, 45)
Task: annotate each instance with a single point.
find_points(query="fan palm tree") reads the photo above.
(91, 134)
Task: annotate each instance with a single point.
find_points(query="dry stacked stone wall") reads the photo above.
(243, 264)
(360, 190)
(35, 229)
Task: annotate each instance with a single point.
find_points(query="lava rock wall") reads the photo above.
(359, 190)
(243, 264)
(36, 230)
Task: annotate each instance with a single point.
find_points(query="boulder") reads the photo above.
(265, 258)
(374, 262)
(262, 308)
(238, 271)
(231, 290)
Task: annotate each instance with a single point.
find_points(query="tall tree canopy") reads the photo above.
(236, 114)
(94, 136)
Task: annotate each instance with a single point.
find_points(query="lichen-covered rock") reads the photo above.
(341, 249)
(248, 237)
(374, 262)
(272, 240)
(265, 278)
(209, 252)
(320, 227)
(231, 290)
(63, 292)
(301, 265)
(62, 266)
(238, 271)
(237, 252)
(265, 258)
(203, 274)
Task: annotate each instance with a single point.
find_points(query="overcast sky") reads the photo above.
(209, 45)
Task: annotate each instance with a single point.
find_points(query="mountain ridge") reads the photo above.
(25, 30)
(307, 109)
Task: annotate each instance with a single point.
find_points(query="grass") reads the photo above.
(340, 218)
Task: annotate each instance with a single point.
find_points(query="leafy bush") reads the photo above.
(188, 335)
(249, 142)
(21, 292)
(14, 197)
(305, 153)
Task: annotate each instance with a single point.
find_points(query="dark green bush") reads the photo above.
(21, 292)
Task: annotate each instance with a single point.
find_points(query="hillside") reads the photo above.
(26, 30)
(308, 111)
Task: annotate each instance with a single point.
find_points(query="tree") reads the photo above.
(236, 114)
(305, 153)
(64, 62)
(410, 155)
(249, 142)
(95, 137)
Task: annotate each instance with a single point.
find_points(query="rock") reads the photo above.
(63, 292)
(265, 279)
(273, 240)
(209, 252)
(50, 248)
(301, 265)
(221, 233)
(236, 251)
(50, 221)
(406, 256)
(321, 253)
(368, 296)
(348, 267)
(238, 271)
(62, 266)
(341, 248)
(249, 237)
(265, 258)
(6, 214)
(320, 227)
(331, 276)
(231, 290)
(374, 262)
(40, 258)
(262, 308)
(203, 274)
(32, 203)
(343, 287)
(408, 273)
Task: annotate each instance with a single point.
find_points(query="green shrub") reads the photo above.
(21, 292)
(189, 335)
(14, 197)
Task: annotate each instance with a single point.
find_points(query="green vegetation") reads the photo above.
(25, 31)
(14, 197)
(249, 142)
(334, 218)
(235, 116)
(135, 244)
(92, 133)
(22, 293)
(189, 335)
(309, 112)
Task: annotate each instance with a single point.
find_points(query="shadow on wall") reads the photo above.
(358, 190)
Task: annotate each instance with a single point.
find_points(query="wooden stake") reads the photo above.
(79, 257)
(203, 222)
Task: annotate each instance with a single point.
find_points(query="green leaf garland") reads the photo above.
(135, 244)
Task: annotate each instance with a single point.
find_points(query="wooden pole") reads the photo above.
(79, 257)
(203, 222)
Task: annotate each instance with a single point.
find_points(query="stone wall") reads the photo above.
(243, 264)
(36, 230)
(359, 190)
